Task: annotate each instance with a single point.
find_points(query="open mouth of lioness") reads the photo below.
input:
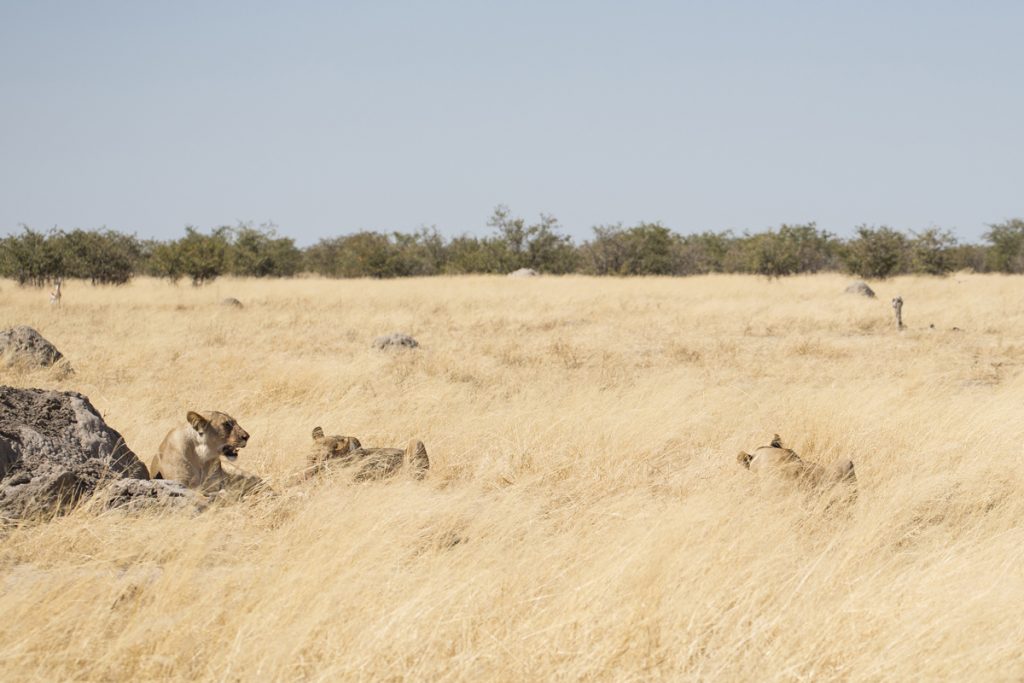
(228, 451)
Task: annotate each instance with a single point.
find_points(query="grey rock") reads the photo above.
(22, 345)
(231, 302)
(860, 287)
(524, 272)
(395, 339)
(143, 494)
(55, 450)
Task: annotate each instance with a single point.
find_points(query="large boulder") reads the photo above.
(395, 339)
(55, 450)
(22, 345)
(860, 287)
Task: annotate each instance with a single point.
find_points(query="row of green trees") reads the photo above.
(109, 257)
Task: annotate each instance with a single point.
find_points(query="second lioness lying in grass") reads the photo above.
(776, 459)
(370, 463)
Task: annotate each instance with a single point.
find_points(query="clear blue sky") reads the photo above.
(327, 118)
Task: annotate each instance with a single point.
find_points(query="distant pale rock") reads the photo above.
(395, 339)
(860, 287)
(524, 272)
(231, 302)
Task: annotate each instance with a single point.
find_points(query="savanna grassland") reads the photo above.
(585, 517)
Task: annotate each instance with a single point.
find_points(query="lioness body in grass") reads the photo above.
(776, 459)
(192, 452)
(372, 463)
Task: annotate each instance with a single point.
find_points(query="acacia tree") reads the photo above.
(31, 258)
(876, 252)
(259, 252)
(201, 257)
(793, 249)
(933, 252)
(645, 249)
(540, 246)
(703, 253)
(1007, 251)
(104, 257)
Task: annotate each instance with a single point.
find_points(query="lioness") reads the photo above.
(374, 463)
(777, 459)
(191, 453)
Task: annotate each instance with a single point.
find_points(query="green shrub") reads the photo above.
(933, 252)
(540, 246)
(202, 258)
(469, 254)
(1006, 253)
(877, 252)
(793, 249)
(703, 253)
(31, 258)
(103, 257)
(375, 254)
(258, 252)
(646, 249)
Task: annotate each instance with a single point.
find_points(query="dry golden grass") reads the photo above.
(583, 435)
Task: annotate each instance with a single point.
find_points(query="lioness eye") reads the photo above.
(228, 426)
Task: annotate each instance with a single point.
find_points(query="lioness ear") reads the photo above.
(198, 422)
(744, 459)
(776, 442)
(318, 433)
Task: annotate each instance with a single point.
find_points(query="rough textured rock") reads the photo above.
(55, 449)
(231, 302)
(860, 287)
(524, 272)
(395, 339)
(144, 494)
(23, 345)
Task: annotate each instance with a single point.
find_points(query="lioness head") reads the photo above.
(330, 447)
(221, 432)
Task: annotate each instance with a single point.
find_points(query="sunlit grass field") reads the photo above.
(585, 517)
